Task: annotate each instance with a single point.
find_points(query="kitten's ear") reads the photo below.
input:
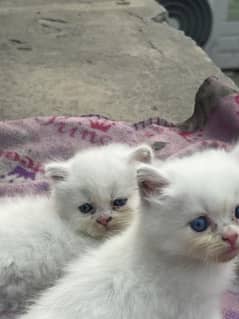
(57, 172)
(142, 153)
(151, 181)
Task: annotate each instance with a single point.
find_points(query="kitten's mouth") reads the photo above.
(229, 254)
(104, 226)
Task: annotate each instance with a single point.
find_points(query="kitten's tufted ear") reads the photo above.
(150, 181)
(142, 153)
(57, 172)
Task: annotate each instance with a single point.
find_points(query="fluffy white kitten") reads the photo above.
(95, 191)
(93, 196)
(174, 261)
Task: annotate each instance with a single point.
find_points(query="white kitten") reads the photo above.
(94, 196)
(95, 191)
(176, 258)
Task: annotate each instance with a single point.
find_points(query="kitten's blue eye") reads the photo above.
(237, 212)
(86, 208)
(199, 224)
(119, 202)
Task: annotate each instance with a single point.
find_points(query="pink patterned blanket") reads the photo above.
(26, 144)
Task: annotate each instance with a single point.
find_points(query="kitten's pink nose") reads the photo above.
(230, 237)
(104, 220)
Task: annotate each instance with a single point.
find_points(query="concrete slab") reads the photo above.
(108, 57)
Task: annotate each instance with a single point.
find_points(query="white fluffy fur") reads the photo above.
(39, 235)
(159, 268)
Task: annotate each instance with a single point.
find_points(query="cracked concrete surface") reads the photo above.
(117, 58)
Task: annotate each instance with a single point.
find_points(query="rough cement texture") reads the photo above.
(108, 57)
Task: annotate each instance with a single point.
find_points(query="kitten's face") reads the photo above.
(200, 230)
(98, 208)
(98, 196)
(194, 209)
